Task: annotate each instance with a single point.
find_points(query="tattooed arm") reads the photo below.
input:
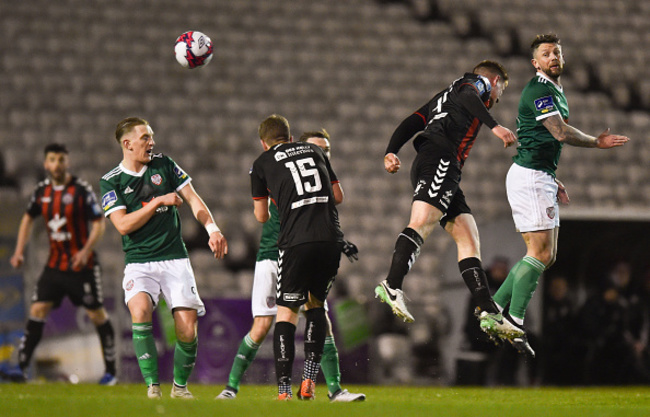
(574, 137)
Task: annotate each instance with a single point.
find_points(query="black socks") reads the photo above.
(476, 280)
(407, 249)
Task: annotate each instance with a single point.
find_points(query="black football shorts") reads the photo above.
(84, 288)
(436, 179)
(306, 268)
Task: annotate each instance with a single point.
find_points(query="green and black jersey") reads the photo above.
(538, 149)
(160, 238)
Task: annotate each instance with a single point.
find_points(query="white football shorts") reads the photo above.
(265, 281)
(532, 195)
(173, 278)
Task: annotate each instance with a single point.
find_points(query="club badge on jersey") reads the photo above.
(279, 156)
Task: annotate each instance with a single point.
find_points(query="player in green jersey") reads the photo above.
(531, 184)
(141, 196)
(264, 308)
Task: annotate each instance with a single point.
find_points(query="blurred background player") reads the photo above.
(141, 197)
(263, 301)
(299, 179)
(531, 184)
(74, 226)
(445, 129)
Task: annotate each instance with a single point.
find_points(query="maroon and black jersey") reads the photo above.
(298, 177)
(450, 121)
(67, 211)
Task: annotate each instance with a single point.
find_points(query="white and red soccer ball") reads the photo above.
(193, 49)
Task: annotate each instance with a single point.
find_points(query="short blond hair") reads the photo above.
(274, 128)
(127, 125)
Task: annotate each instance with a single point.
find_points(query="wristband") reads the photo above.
(211, 228)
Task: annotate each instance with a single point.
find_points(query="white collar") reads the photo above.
(132, 173)
(541, 74)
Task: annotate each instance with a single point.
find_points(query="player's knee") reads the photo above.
(545, 257)
(186, 334)
(314, 303)
(141, 314)
(40, 310)
(98, 316)
(261, 327)
(551, 261)
(141, 308)
(423, 229)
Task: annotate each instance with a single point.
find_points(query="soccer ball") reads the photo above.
(193, 49)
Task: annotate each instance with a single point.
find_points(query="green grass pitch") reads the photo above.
(124, 400)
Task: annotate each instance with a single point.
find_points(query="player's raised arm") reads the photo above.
(571, 136)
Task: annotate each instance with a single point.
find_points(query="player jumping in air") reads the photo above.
(532, 187)
(445, 129)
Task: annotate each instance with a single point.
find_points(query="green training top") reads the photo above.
(160, 238)
(538, 149)
(270, 232)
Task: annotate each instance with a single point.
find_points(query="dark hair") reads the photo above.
(274, 128)
(315, 134)
(494, 68)
(126, 125)
(55, 148)
(545, 38)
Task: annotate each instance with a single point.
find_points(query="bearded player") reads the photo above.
(532, 186)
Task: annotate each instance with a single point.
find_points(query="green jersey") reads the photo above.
(538, 149)
(160, 238)
(270, 232)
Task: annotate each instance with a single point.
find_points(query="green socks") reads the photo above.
(519, 286)
(184, 359)
(329, 363)
(145, 350)
(248, 349)
(245, 355)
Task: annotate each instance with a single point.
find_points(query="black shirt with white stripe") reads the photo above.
(298, 177)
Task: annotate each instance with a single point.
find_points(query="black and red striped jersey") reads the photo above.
(67, 211)
(450, 120)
